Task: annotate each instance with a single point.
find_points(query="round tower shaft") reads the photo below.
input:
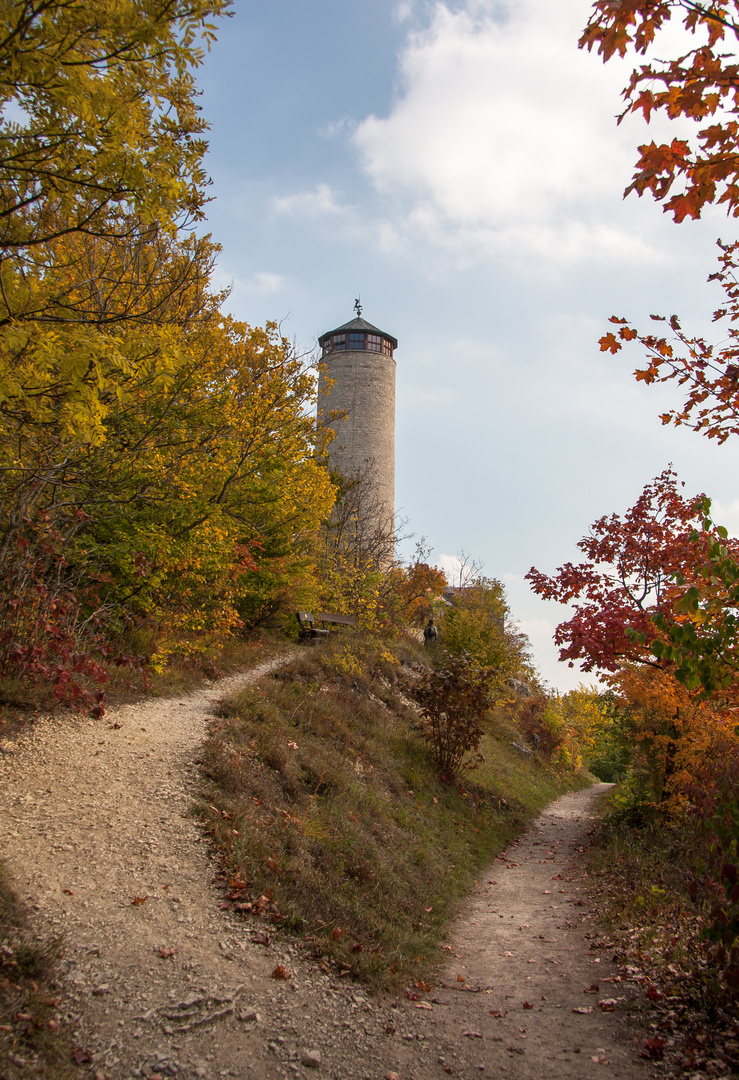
(357, 380)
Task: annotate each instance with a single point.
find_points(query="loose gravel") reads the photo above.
(97, 830)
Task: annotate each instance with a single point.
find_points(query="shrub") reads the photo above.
(454, 699)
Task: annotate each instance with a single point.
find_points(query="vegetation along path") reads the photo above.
(96, 828)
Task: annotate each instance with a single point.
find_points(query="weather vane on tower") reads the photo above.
(358, 307)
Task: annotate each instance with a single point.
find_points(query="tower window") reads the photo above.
(356, 341)
(374, 343)
(338, 341)
(387, 347)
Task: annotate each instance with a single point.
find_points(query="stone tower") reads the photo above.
(358, 380)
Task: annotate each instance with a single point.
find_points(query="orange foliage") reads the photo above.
(674, 732)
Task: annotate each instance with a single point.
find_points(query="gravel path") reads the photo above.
(95, 826)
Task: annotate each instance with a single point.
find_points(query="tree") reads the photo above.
(453, 700)
(701, 84)
(627, 577)
(189, 521)
(100, 132)
(474, 624)
(100, 172)
(701, 634)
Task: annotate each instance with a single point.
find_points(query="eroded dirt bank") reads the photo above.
(96, 829)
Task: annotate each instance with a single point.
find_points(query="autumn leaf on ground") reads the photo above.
(461, 978)
(81, 1057)
(472, 1034)
(337, 932)
(608, 1004)
(165, 952)
(139, 900)
(412, 995)
(592, 989)
(281, 972)
(499, 1013)
(654, 1049)
(527, 1005)
(600, 1059)
(584, 1010)
(421, 985)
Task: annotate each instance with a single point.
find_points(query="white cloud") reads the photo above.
(449, 565)
(503, 138)
(726, 514)
(335, 128)
(261, 283)
(404, 10)
(266, 283)
(310, 204)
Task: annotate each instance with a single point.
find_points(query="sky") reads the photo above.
(459, 167)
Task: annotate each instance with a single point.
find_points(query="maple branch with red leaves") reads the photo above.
(632, 562)
(703, 83)
(709, 373)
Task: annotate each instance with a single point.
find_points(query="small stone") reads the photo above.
(311, 1059)
(248, 1014)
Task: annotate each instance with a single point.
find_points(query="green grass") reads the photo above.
(33, 1039)
(326, 804)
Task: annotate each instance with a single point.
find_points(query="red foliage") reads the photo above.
(710, 374)
(51, 633)
(626, 578)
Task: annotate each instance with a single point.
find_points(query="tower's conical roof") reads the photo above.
(358, 325)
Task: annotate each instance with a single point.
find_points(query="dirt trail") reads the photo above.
(96, 829)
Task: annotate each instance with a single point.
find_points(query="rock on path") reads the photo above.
(96, 828)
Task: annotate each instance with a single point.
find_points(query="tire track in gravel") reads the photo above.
(96, 829)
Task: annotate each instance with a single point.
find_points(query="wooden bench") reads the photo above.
(339, 620)
(308, 629)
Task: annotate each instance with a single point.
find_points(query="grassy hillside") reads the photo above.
(34, 1037)
(331, 819)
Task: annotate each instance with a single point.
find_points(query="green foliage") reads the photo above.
(475, 624)
(702, 636)
(600, 727)
(158, 471)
